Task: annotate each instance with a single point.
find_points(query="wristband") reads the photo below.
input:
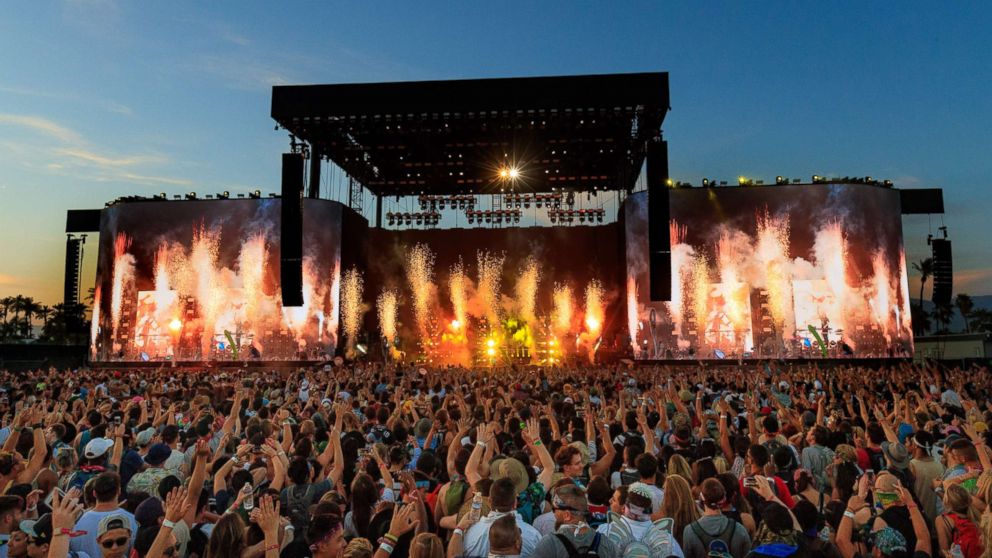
(481, 444)
(169, 524)
(272, 547)
(537, 442)
(386, 547)
(391, 538)
(458, 532)
(849, 513)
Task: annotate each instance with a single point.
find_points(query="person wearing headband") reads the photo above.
(924, 469)
(573, 536)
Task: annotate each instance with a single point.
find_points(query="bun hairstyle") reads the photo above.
(712, 494)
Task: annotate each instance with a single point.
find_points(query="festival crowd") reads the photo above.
(375, 461)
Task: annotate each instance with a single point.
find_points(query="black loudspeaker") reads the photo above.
(943, 272)
(659, 235)
(291, 230)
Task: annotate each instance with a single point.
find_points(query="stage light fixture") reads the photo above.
(255, 195)
(706, 183)
(514, 173)
(191, 196)
(504, 173)
(669, 182)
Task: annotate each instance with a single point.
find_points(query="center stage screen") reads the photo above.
(491, 296)
(199, 281)
(773, 272)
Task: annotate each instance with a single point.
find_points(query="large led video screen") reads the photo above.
(488, 296)
(805, 271)
(199, 281)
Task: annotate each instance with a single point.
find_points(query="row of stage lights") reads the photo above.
(782, 181)
(429, 218)
(571, 215)
(460, 201)
(493, 216)
(255, 195)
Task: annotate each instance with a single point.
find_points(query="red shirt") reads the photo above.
(781, 490)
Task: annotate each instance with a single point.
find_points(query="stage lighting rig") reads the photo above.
(255, 194)
(191, 196)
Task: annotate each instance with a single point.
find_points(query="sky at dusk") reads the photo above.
(100, 98)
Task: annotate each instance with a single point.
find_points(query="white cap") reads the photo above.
(97, 447)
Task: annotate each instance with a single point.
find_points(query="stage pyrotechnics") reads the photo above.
(498, 221)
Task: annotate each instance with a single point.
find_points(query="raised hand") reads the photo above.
(64, 512)
(404, 520)
(268, 514)
(177, 504)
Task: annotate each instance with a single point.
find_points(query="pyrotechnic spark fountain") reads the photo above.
(700, 295)
(251, 264)
(95, 319)
(123, 276)
(526, 290)
(351, 307)
(561, 317)
(773, 254)
(419, 273)
(458, 287)
(209, 297)
(386, 307)
(881, 302)
(490, 277)
(594, 315)
(830, 249)
(904, 312)
(632, 311)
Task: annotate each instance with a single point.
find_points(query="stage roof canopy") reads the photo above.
(578, 133)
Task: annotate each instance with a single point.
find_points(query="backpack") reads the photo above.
(79, 478)
(718, 546)
(656, 541)
(588, 551)
(773, 550)
(298, 507)
(965, 534)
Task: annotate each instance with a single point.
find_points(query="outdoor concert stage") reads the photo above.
(524, 221)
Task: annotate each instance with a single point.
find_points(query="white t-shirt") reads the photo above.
(476, 540)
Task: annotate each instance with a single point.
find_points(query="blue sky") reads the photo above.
(100, 98)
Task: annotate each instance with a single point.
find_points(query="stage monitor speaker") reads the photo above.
(291, 230)
(659, 235)
(943, 272)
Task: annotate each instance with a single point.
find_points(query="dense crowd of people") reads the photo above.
(375, 461)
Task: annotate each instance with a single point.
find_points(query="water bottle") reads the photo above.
(248, 500)
(476, 512)
(956, 551)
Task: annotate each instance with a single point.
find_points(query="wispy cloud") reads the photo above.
(41, 125)
(109, 161)
(973, 281)
(240, 72)
(104, 104)
(74, 156)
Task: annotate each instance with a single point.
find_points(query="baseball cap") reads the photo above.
(111, 522)
(97, 447)
(157, 454)
(40, 529)
(144, 437)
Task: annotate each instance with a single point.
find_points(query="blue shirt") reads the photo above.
(89, 522)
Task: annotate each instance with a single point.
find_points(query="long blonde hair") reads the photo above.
(678, 504)
(426, 545)
(227, 540)
(957, 500)
(677, 465)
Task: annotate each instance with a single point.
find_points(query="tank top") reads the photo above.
(926, 471)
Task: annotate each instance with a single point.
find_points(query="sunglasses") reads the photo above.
(111, 543)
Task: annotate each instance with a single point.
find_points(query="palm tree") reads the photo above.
(943, 313)
(981, 319)
(44, 312)
(925, 268)
(965, 306)
(30, 308)
(921, 319)
(6, 305)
